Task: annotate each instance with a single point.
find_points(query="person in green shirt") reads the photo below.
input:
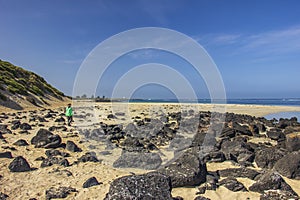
(69, 114)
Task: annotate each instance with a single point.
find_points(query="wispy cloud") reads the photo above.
(280, 41)
(277, 42)
(144, 54)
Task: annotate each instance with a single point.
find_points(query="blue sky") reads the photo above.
(255, 44)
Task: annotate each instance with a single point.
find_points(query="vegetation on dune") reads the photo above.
(17, 80)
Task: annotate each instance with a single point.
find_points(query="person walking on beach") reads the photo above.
(69, 114)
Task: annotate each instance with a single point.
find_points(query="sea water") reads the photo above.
(284, 115)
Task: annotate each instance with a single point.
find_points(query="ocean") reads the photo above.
(279, 102)
(274, 102)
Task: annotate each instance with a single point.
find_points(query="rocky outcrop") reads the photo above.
(271, 181)
(289, 165)
(19, 164)
(148, 161)
(278, 195)
(90, 182)
(239, 172)
(232, 184)
(187, 170)
(60, 192)
(142, 187)
(46, 139)
(267, 157)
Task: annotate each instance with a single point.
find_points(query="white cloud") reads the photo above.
(269, 43)
(274, 42)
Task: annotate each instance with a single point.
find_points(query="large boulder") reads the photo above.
(267, 157)
(276, 134)
(289, 165)
(238, 150)
(278, 195)
(46, 139)
(232, 184)
(239, 172)
(3, 196)
(292, 142)
(4, 129)
(21, 142)
(271, 181)
(6, 154)
(60, 192)
(90, 182)
(55, 161)
(148, 161)
(19, 164)
(141, 187)
(25, 126)
(71, 146)
(187, 170)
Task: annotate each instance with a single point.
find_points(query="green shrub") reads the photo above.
(3, 97)
(36, 90)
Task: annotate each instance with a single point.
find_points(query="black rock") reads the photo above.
(46, 139)
(276, 134)
(5, 155)
(25, 126)
(239, 172)
(216, 156)
(201, 198)
(148, 186)
(292, 142)
(4, 129)
(71, 146)
(61, 192)
(232, 184)
(133, 144)
(289, 165)
(61, 119)
(245, 159)
(41, 158)
(187, 170)
(19, 164)
(55, 152)
(271, 181)
(21, 142)
(232, 149)
(148, 161)
(90, 182)
(48, 115)
(267, 157)
(57, 128)
(241, 129)
(55, 161)
(88, 157)
(3, 196)
(111, 116)
(278, 195)
(15, 124)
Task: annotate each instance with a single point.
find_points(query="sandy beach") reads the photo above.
(25, 185)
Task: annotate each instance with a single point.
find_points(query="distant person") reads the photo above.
(69, 114)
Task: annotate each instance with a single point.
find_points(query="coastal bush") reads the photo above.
(16, 87)
(3, 97)
(34, 89)
(19, 81)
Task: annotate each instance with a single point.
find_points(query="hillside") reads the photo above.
(20, 88)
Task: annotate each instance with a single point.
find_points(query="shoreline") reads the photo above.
(249, 109)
